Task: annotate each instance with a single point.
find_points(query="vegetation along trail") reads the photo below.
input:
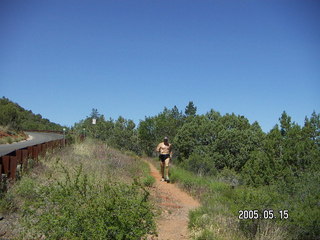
(174, 205)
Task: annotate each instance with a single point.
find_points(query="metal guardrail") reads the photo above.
(45, 131)
(10, 162)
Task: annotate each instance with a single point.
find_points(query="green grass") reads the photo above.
(147, 179)
(217, 218)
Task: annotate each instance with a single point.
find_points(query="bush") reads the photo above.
(9, 140)
(77, 208)
(229, 176)
(148, 181)
(200, 164)
(302, 202)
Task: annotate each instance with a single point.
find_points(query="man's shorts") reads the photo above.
(165, 158)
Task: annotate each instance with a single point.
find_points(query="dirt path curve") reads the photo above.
(175, 205)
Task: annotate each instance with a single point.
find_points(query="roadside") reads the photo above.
(87, 186)
(26, 138)
(9, 136)
(174, 206)
(33, 139)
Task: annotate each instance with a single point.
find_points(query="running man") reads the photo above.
(165, 150)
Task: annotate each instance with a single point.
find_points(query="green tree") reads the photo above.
(199, 131)
(152, 130)
(147, 135)
(228, 140)
(95, 113)
(285, 123)
(213, 115)
(285, 153)
(311, 128)
(9, 116)
(235, 141)
(191, 109)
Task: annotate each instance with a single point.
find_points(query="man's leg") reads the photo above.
(167, 168)
(162, 168)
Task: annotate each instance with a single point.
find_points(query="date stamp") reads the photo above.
(264, 214)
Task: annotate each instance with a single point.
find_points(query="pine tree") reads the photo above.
(190, 110)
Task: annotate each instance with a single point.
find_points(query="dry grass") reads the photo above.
(10, 140)
(216, 226)
(97, 160)
(10, 136)
(4, 128)
(268, 230)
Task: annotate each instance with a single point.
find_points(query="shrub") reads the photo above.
(200, 164)
(9, 140)
(77, 208)
(148, 181)
(302, 202)
(229, 176)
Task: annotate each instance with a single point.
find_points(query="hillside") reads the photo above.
(15, 117)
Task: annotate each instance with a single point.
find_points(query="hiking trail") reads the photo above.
(174, 204)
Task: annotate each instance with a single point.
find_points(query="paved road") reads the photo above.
(37, 138)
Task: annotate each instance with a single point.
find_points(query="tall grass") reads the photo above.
(221, 200)
(85, 191)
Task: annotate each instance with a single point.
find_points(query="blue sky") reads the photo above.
(132, 58)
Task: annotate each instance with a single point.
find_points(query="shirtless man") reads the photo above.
(164, 148)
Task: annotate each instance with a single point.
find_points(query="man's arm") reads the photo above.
(170, 151)
(158, 147)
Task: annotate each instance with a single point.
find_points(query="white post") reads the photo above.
(94, 122)
(64, 137)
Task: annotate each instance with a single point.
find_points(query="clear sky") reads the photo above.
(61, 58)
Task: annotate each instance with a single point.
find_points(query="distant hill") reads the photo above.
(15, 117)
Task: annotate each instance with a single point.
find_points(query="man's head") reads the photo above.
(165, 139)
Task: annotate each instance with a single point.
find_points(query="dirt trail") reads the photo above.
(175, 205)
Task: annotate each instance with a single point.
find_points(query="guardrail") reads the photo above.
(46, 131)
(19, 158)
